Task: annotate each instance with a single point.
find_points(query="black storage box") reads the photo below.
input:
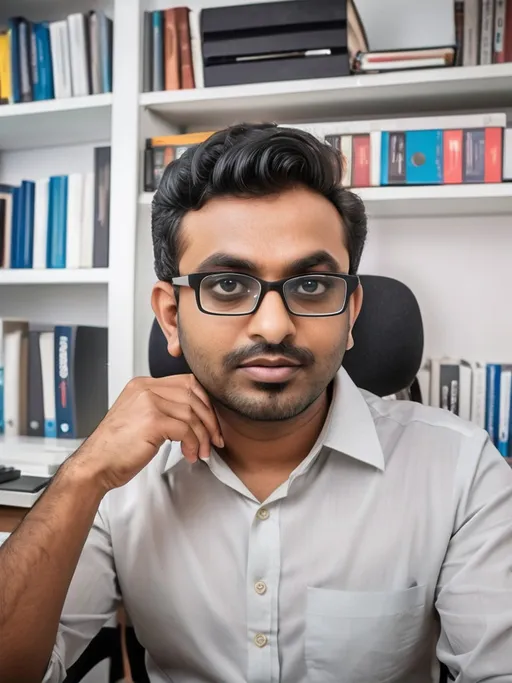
(267, 41)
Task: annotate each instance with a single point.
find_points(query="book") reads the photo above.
(459, 31)
(171, 51)
(493, 164)
(5, 70)
(158, 51)
(15, 352)
(46, 349)
(101, 206)
(474, 156)
(7, 195)
(361, 157)
(35, 418)
(493, 377)
(187, 80)
(74, 216)
(487, 32)
(452, 156)
(57, 222)
(40, 223)
(80, 73)
(424, 157)
(500, 12)
(504, 412)
(147, 64)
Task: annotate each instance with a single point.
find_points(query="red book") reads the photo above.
(186, 68)
(361, 161)
(171, 51)
(493, 155)
(452, 156)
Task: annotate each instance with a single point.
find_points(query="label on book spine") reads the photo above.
(63, 384)
(396, 159)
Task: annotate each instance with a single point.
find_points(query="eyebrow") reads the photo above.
(301, 265)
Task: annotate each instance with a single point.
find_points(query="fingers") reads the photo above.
(204, 411)
(179, 422)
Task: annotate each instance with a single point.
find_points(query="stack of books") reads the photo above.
(53, 379)
(478, 392)
(440, 150)
(57, 222)
(167, 55)
(483, 30)
(42, 61)
(160, 151)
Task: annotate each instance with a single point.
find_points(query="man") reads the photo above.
(290, 528)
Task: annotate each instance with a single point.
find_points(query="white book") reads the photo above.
(15, 379)
(507, 154)
(65, 60)
(487, 32)
(504, 409)
(41, 223)
(195, 48)
(87, 228)
(375, 161)
(423, 378)
(478, 394)
(95, 53)
(46, 347)
(74, 220)
(56, 53)
(78, 54)
(492, 120)
(471, 38)
(346, 154)
(5, 258)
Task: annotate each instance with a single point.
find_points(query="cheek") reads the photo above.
(324, 336)
(208, 335)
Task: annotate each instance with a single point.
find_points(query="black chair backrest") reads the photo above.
(388, 338)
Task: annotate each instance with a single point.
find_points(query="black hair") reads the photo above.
(250, 160)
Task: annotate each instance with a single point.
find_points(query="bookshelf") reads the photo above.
(450, 244)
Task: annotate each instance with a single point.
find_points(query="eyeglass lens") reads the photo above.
(238, 294)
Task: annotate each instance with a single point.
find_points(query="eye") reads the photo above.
(310, 286)
(227, 285)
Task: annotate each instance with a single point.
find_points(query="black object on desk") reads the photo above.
(24, 483)
(8, 474)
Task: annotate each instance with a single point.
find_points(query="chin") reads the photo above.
(267, 402)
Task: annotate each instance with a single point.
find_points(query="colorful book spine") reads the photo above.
(424, 152)
(492, 401)
(493, 164)
(15, 59)
(452, 156)
(474, 156)
(505, 410)
(64, 381)
(57, 222)
(361, 158)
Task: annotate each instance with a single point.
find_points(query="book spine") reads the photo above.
(196, 47)
(105, 38)
(34, 58)
(35, 386)
(147, 67)
(504, 411)
(397, 159)
(185, 48)
(94, 43)
(57, 220)
(74, 220)
(149, 168)
(46, 65)
(27, 224)
(87, 226)
(67, 80)
(101, 206)
(56, 51)
(487, 32)
(46, 347)
(474, 156)
(500, 10)
(2, 380)
(158, 51)
(492, 401)
(171, 51)
(493, 166)
(14, 42)
(384, 159)
(346, 156)
(361, 160)
(5, 70)
(16, 228)
(449, 381)
(375, 162)
(25, 70)
(459, 31)
(3, 219)
(12, 383)
(40, 223)
(64, 340)
(478, 395)
(424, 157)
(508, 32)
(507, 154)
(452, 156)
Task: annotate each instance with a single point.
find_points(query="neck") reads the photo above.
(254, 448)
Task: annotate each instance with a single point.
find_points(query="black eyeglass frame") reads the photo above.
(194, 282)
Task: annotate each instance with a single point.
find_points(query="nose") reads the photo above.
(271, 323)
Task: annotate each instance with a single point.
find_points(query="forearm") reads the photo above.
(36, 567)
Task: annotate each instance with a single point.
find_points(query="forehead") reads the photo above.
(270, 231)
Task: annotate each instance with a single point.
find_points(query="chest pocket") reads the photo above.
(363, 637)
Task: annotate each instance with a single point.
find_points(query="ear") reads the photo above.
(354, 308)
(165, 307)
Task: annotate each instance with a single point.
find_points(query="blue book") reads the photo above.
(105, 38)
(492, 400)
(57, 222)
(16, 236)
(505, 411)
(64, 345)
(26, 223)
(158, 51)
(37, 93)
(384, 159)
(2, 419)
(44, 61)
(15, 59)
(424, 157)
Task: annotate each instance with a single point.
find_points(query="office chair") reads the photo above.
(388, 338)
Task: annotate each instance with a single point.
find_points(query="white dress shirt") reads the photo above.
(393, 537)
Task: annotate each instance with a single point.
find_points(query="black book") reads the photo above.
(35, 385)
(101, 206)
(147, 54)
(3, 216)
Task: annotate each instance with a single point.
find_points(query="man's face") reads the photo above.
(268, 235)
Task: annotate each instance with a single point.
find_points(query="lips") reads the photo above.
(270, 369)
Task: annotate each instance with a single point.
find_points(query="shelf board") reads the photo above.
(54, 276)
(427, 200)
(50, 123)
(415, 91)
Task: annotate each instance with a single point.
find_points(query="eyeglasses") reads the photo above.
(312, 295)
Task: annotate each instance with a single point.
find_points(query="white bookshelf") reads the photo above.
(450, 244)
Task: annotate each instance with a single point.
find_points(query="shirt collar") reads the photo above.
(349, 428)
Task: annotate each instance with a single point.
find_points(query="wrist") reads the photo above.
(82, 472)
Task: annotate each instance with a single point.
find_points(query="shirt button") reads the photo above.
(260, 639)
(263, 513)
(260, 587)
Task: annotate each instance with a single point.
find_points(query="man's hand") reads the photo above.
(147, 413)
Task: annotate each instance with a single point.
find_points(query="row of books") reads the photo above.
(472, 148)
(168, 50)
(58, 222)
(483, 31)
(478, 392)
(41, 60)
(53, 379)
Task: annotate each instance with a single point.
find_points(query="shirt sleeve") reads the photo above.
(474, 592)
(90, 603)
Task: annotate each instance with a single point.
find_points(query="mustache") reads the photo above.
(294, 353)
